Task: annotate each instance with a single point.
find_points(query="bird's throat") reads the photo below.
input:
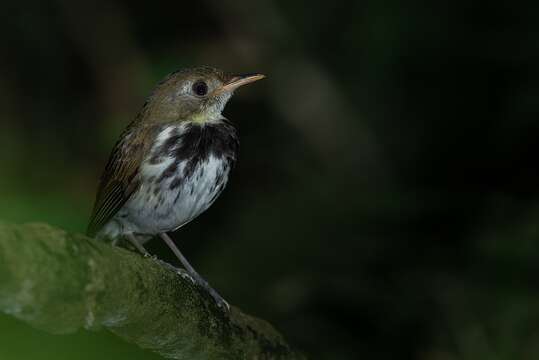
(202, 118)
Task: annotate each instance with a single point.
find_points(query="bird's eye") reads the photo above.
(200, 88)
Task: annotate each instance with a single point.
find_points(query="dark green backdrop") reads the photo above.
(385, 204)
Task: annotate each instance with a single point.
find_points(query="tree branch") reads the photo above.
(61, 282)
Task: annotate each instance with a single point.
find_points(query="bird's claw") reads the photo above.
(198, 281)
(184, 274)
(219, 301)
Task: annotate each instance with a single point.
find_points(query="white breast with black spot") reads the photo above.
(165, 199)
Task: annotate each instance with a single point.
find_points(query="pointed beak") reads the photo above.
(239, 80)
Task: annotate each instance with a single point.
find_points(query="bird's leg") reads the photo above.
(133, 240)
(192, 272)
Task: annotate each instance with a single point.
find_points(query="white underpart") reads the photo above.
(152, 212)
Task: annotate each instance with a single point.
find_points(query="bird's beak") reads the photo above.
(239, 80)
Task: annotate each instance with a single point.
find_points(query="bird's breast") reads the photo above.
(179, 150)
(183, 174)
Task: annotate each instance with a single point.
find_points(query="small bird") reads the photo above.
(171, 163)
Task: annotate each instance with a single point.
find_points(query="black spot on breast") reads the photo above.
(191, 146)
(178, 180)
(169, 145)
(155, 159)
(177, 196)
(219, 177)
(198, 142)
(169, 172)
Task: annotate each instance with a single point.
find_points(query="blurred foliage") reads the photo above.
(385, 203)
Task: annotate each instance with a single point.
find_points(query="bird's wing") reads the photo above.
(119, 180)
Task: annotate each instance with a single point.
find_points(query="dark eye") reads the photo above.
(200, 88)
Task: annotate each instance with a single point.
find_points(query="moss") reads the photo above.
(62, 282)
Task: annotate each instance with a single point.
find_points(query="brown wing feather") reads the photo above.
(119, 180)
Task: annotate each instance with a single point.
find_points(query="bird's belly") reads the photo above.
(167, 200)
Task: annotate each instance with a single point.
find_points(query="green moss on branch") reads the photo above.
(61, 282)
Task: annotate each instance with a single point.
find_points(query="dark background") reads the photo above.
(385, 203)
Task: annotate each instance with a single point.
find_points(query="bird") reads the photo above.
(170, 163)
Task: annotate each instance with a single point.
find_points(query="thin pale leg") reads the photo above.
(133, 240)
(192, 272)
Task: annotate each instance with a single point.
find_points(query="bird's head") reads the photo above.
(193, 95)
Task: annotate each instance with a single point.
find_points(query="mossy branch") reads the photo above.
(61, 282)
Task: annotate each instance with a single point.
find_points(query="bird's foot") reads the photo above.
(184, 274)
(198, 281)
(193, 275)
(221, 303)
